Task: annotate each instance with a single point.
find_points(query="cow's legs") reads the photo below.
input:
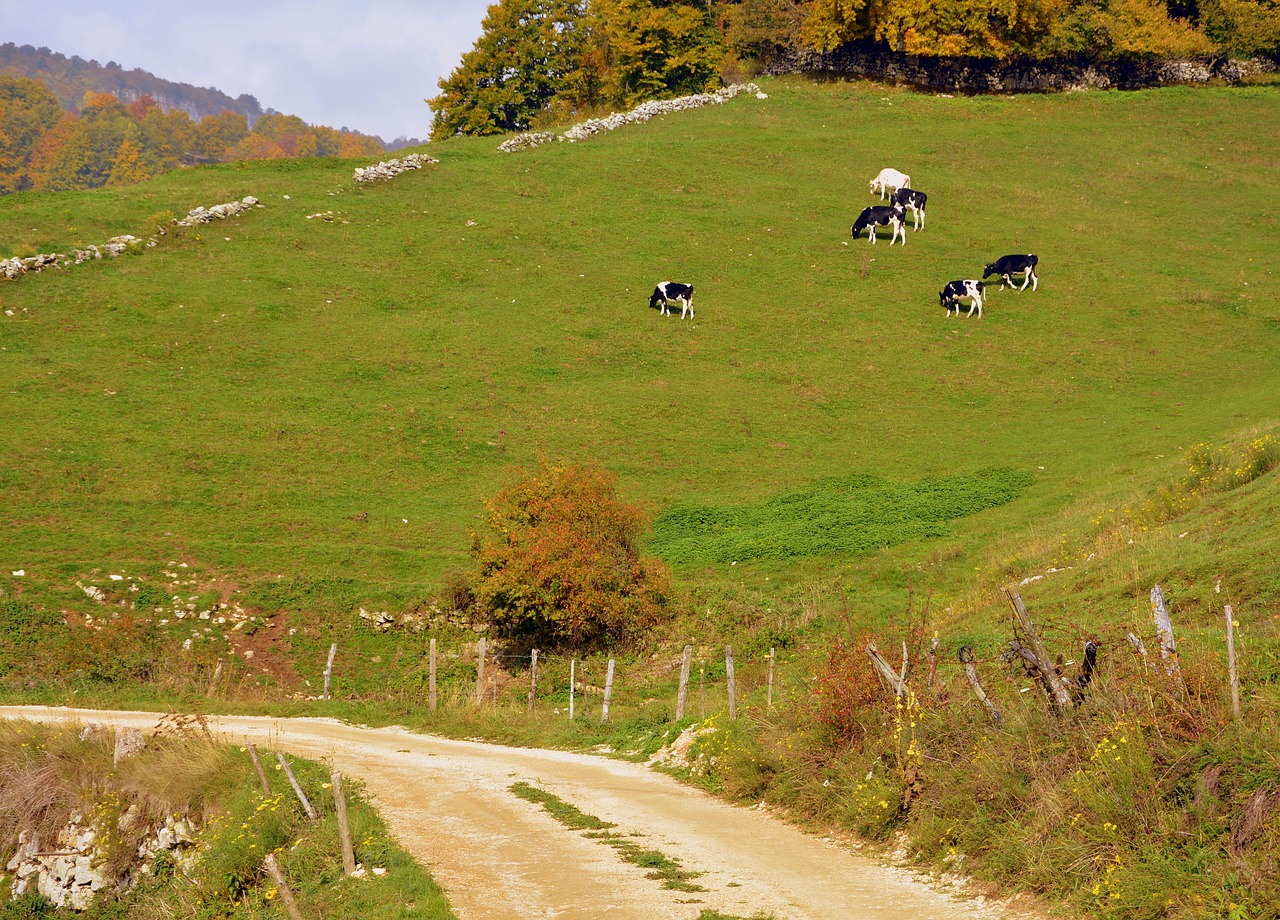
(1026, 279)
(1035, 282)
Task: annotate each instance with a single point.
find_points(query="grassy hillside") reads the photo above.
(238, 397)
(307, 413)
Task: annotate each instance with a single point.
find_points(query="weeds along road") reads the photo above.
(499, 856)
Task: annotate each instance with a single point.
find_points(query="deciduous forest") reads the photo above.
(540, 59)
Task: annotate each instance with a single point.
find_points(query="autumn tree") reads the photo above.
(529, 53)
(127, 168)
(216, 135)
(656, 49)
(86, 158)
(27, 113)
(1245, 27)
(758, 29)
(559, 561)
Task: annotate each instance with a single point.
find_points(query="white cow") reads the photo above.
(889, 181)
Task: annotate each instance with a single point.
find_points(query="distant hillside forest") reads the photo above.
(69, 78)
(538, 60)
(109, 143)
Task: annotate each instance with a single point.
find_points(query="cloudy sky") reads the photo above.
(362, 64)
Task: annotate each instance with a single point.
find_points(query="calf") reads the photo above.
(913, 201)
(955, 291)
(668, 291)
(882, 215)
(1014, 265)
(890, 180)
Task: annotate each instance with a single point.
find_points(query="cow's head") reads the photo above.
(942, 297)
(990, 270)
(656, 298)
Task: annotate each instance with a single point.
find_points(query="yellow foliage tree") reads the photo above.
(127, 168)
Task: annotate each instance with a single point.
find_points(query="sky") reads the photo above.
(361, 64)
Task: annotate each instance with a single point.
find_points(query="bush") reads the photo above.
(560, 562)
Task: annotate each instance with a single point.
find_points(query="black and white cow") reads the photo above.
(673, 291)
(882, 215)
(914, 202)
(1014, 265)
(969, 290)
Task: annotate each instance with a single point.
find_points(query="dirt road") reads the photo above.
(500, 857)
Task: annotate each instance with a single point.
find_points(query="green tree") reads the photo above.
(560, 562)
(530, 52)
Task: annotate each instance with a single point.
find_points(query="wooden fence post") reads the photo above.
(702, 691)
(933, 665)
(608, 693)
(890, 678)
(344, 826)
(257, 765)
(533, 680)
(683, 693)
(431, 679)
(213, 681)
(966, 658)
(1231, 662)
(1034, 647)
(1164, 627)
(728, 670)
(573, 668)
(297, 789)
(480, 672)
(769, 695)
(277, 876)
(328, 669)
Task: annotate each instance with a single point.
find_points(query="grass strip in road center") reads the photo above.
(663, 867)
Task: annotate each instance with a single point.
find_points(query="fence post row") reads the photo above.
(480, 672)
(608, 693)
(573, 667)
(683, 692)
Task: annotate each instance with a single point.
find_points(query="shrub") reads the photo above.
(560, 560)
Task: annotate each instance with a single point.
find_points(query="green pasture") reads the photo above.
(332, 397)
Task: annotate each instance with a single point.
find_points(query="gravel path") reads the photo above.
(498, 856)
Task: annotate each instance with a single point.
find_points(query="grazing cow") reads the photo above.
(890, 180)
(955, 291)
(1014, 265)
(668, 291)
(882, 215)
(914, 202)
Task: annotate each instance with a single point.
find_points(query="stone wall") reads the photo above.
(983, 75)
